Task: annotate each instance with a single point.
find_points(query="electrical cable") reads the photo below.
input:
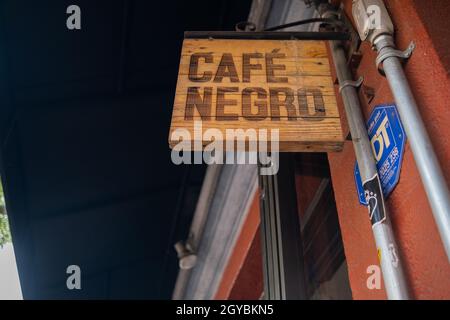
(250, 26)
(329, 21)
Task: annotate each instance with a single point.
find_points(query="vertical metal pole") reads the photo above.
(426, 160)
(393, 275)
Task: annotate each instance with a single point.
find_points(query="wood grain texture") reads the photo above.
(258, 84)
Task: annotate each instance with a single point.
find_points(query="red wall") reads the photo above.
(427, 267)
(243, 275)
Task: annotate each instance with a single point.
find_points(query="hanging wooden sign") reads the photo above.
(284, 85)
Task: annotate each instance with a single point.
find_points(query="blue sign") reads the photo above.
(387, 138)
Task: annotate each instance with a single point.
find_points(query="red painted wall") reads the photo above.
(427, 267)
(243, 275)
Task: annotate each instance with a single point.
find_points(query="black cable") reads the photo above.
(329, 21)
(250, 26)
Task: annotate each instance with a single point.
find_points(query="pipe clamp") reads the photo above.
(389, 52)
(350, 83)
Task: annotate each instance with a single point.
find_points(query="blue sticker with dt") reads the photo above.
(388, 140)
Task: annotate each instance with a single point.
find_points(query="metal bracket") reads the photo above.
(352, 47)
(186, 255)
(369, 93)
(389, 52)
(350, 83)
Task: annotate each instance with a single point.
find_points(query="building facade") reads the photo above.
(327, 250)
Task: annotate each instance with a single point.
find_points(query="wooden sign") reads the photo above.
(258, 84)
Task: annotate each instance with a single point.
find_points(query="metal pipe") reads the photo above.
(205, 198)
(393, 275)
(426, 160)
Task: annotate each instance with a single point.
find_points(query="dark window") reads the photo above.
(325, 266)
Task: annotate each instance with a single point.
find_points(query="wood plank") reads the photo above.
(300, 135)
(293, 66)
(300, 129)
(292, 48)
(330, 106)
(324, 83)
